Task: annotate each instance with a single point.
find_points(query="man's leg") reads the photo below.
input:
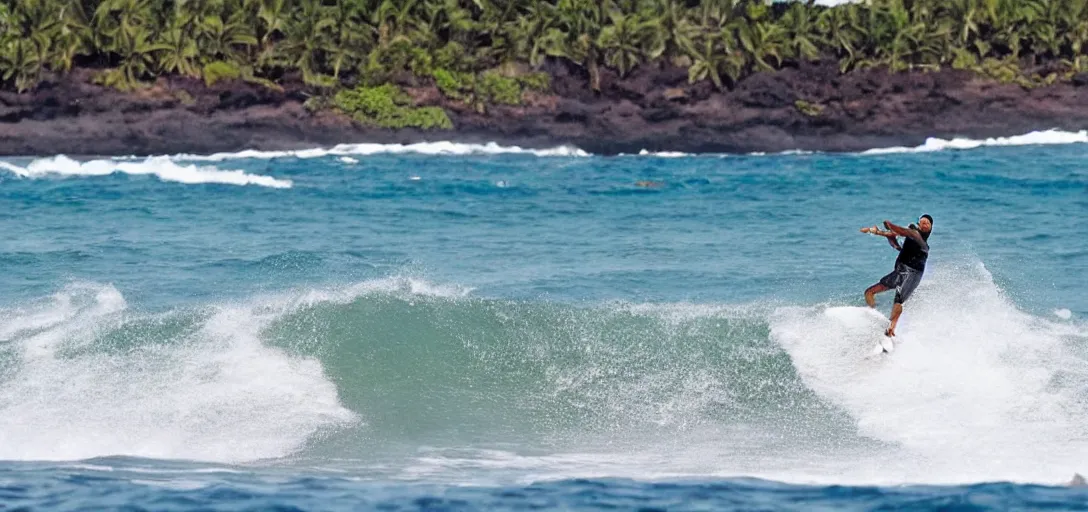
(897, 310)
(871, 291)
(885, 283)
(902, 293)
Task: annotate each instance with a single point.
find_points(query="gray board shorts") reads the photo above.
(904, 279)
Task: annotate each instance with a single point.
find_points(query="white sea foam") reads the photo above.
(164, 168)
(75, 386)
(664, 154)
(75, 383)
(1028, 139)
(421, 148)
(932, 144)
(975, 390)
(397, 285)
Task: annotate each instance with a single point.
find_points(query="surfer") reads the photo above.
(909, 266)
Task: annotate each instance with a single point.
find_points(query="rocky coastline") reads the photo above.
(812, 107)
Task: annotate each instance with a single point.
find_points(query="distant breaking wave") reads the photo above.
(421, 148)
(185, 168)
(664, 154)
(1027, 139)
(163, 167)
(932, 144)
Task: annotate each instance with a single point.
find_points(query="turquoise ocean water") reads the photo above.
(459, 327)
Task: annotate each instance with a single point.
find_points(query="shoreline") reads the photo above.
(811, 108)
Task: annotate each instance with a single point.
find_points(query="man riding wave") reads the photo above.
(909, 266)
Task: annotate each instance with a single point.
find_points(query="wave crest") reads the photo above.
(975, 385)
(422, 148)
(83, 377)
(164, 168)
(1027, 139)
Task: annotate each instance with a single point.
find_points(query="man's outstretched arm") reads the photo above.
(907, 232)
(890, 235)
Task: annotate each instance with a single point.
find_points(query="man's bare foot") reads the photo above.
(890, 332)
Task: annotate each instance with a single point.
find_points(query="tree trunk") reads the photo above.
(594, 71)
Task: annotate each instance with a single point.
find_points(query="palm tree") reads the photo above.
(528, 32)
(576, 35)
(762, 41)
(839, 28)
(180, 52)
(73, 36)
(1046, 32)
(1076, 18)
(706, 63)
(714, 15)
(626, 41)
(136, 49)
(113, 18)
(40, 24)
(673, 28)
(19, 63)
(307, 41)
(352, 36)
(224, 40)
(801, 35)
(271, 20)
(393, 18)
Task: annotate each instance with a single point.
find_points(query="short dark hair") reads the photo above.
(927, 216)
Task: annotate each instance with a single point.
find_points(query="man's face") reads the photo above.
(925, 225)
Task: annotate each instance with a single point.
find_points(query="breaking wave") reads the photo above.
(164, 168)
(422, 148)
(976, 389)
(1028, 139)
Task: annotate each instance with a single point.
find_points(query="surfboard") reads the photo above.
(884, 344)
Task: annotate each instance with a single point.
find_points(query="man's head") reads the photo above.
(925, 223)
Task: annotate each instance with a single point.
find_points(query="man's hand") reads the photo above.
(874, 231)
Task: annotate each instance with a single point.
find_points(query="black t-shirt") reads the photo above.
(914, 254)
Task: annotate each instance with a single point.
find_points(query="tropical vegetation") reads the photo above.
(348, 53)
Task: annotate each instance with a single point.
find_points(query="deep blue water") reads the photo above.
(65, 488)
(485, 331)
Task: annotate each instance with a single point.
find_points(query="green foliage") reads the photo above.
(1005, 72)
(264, 82)
(964, 59)
(386, 106)
(316, 104)
(219, 70)
(453, 84)
(535, 81)
(496, 88)
(456, 42)
(488, 87)
(113, 78)
(453, 56)
(809, 109)
(185, 98)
